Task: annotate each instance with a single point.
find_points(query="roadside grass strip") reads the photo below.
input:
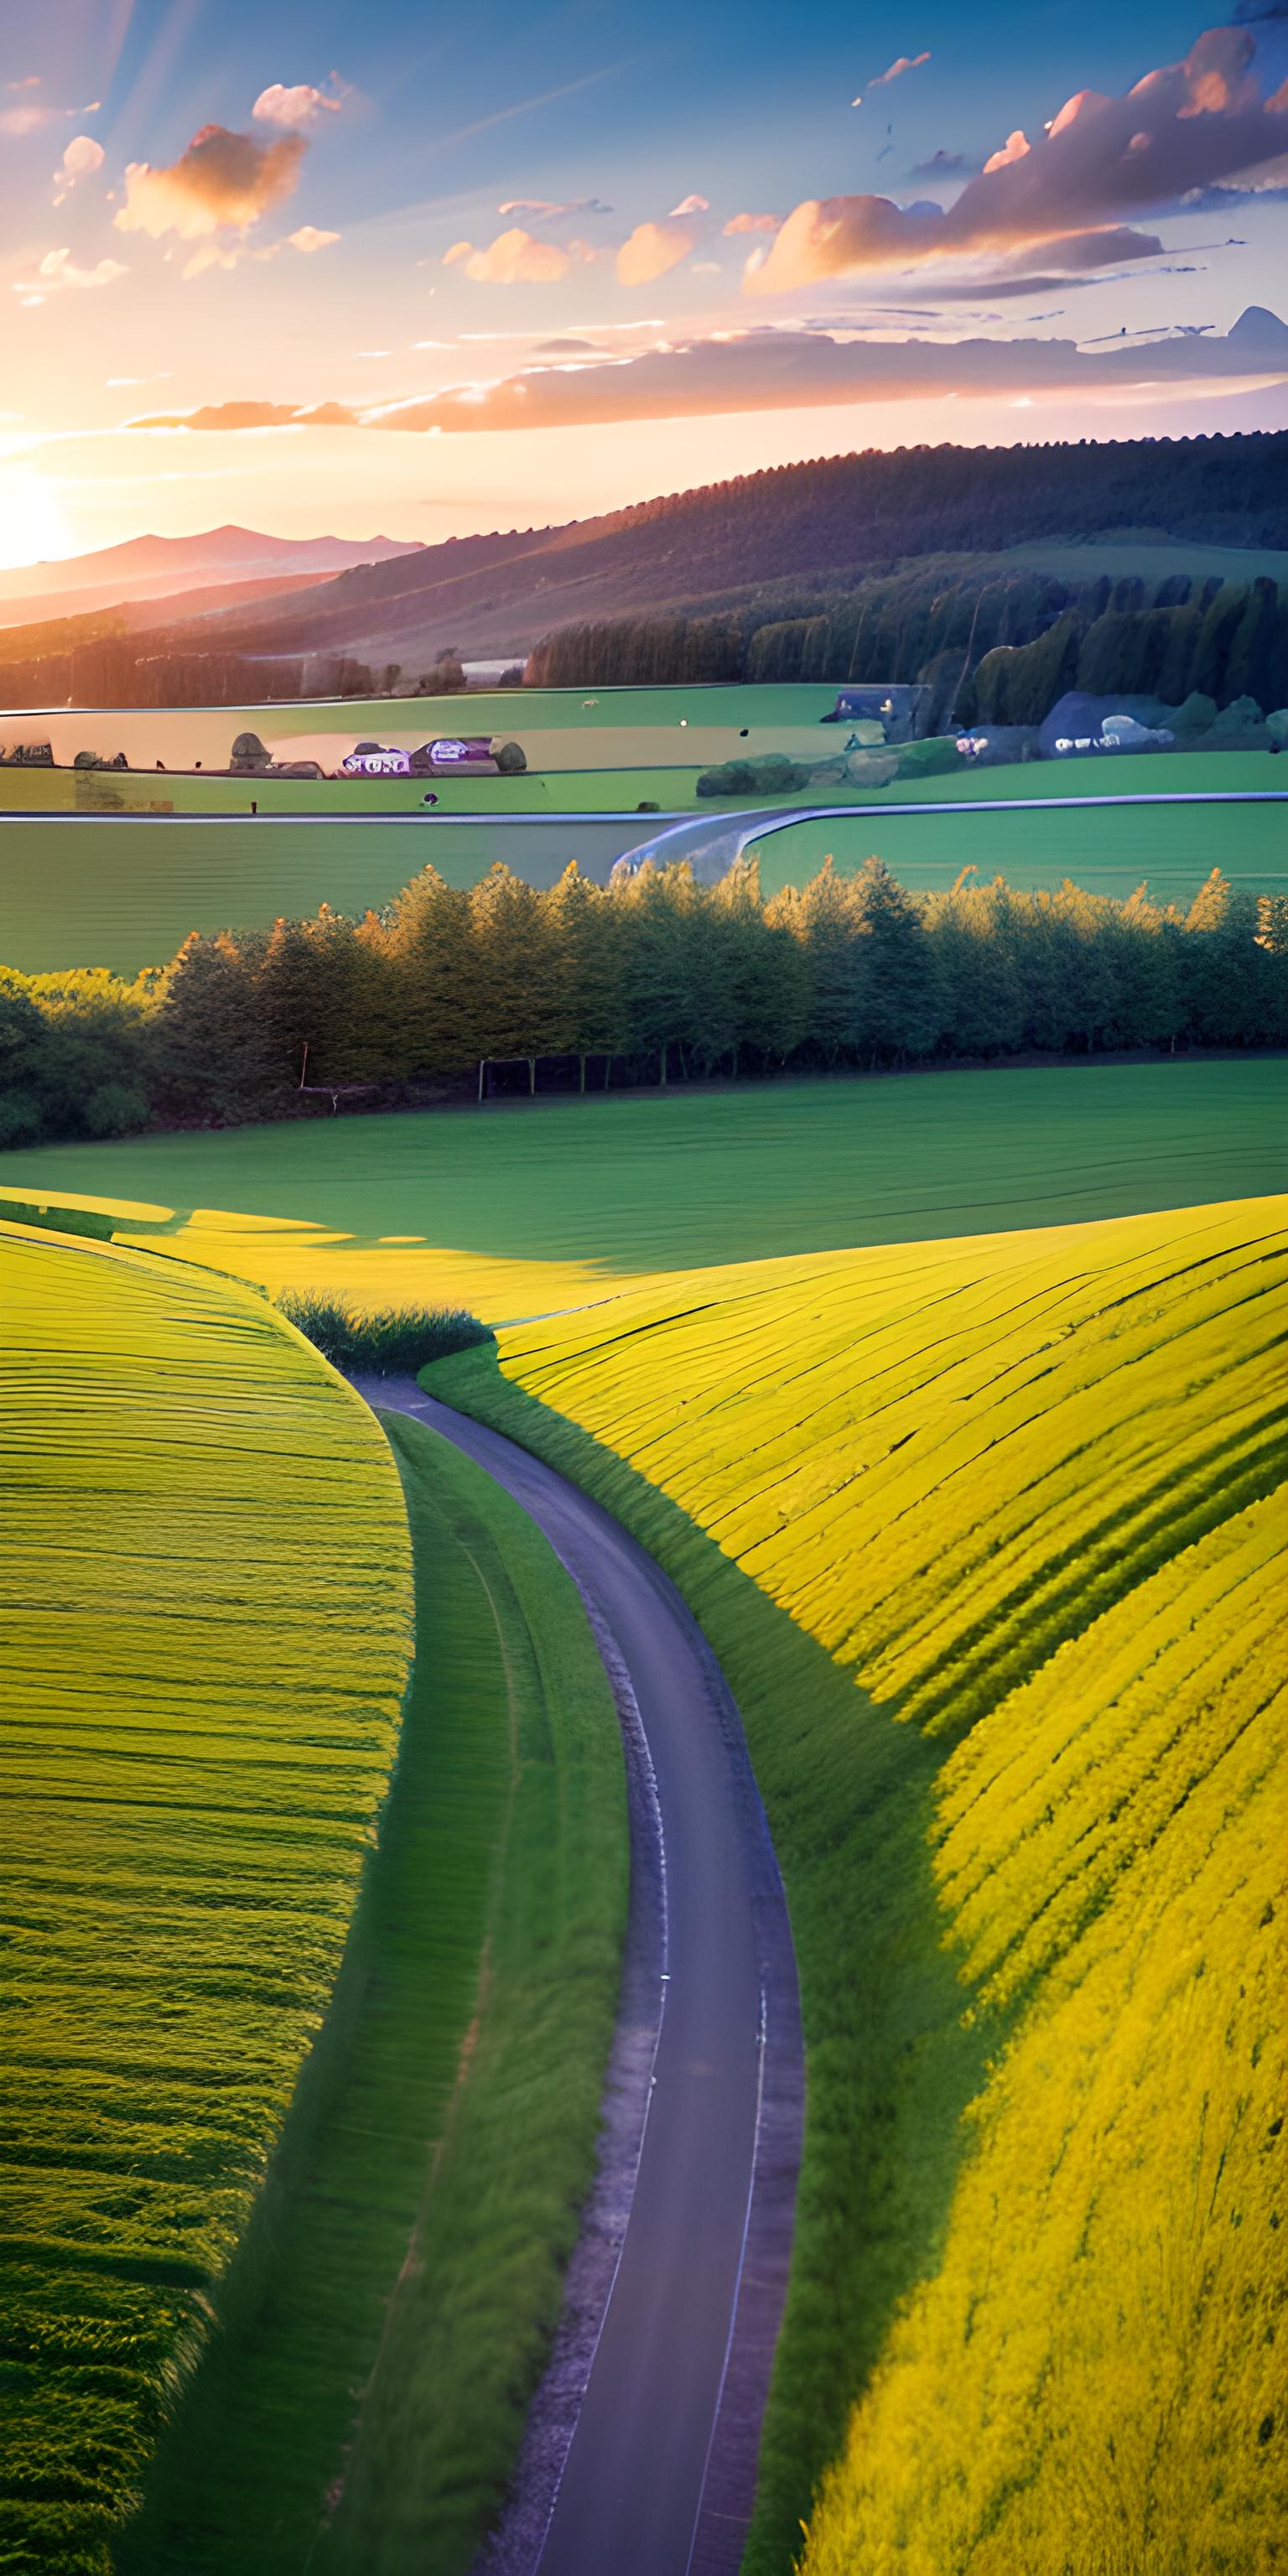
(387, 2318)
(529, 1207)
(206, 1649)
(989, 1537)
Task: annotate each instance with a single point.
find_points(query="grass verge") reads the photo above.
(359, 2411)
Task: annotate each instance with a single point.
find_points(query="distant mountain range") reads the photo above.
(157, 567)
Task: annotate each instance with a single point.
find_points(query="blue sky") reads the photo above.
(398, 213)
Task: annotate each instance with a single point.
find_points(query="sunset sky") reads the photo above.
(527, 265)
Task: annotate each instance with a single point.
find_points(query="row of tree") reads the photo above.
(992, 647)
(653, 979)
(55, 665)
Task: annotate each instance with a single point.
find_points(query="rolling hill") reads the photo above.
(837, 517)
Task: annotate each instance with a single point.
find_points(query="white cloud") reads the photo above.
(19, 121)
(692, 206)
(308, 238)
(81, 159)
(302, 105)
(546, 206)
(58, 269)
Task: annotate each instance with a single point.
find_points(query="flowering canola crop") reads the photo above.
(1026, 1489)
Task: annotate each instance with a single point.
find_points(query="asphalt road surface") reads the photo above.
(657, 2477)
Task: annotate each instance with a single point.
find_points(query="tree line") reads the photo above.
(156, 667)
(653, 979)
(997, 648)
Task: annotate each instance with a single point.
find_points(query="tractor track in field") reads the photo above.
(642, 2443)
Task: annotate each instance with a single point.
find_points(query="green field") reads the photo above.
(393, 2305)
(1148, 551)
(987, 1536)
(207, 1646)
(562, 791)
(127, 893)
(523, 1207)
(648, 768)
(589, 728)
(1109, 850)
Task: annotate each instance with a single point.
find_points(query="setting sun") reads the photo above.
(33, 528)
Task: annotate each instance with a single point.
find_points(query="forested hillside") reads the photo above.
(822, 529)
(992, 645)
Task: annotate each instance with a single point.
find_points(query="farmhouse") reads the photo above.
(376, 760)
(468, 755)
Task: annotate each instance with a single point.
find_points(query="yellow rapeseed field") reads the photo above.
(1023, 1489)
(206, 1649)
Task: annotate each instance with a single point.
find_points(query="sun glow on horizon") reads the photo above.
(34, 527)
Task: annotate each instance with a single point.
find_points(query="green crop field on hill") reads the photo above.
(989, 1536)
(522, 1207)
(1107, 849)
(207, 1646)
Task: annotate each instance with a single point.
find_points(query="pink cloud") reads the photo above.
(774, 370)
(515, 258)
(901, 64)
(1184, 127)
(692, 206)
(650, 251)
(753, 223)
(1014, 149)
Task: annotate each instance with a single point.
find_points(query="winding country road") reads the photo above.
(657, 2478)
